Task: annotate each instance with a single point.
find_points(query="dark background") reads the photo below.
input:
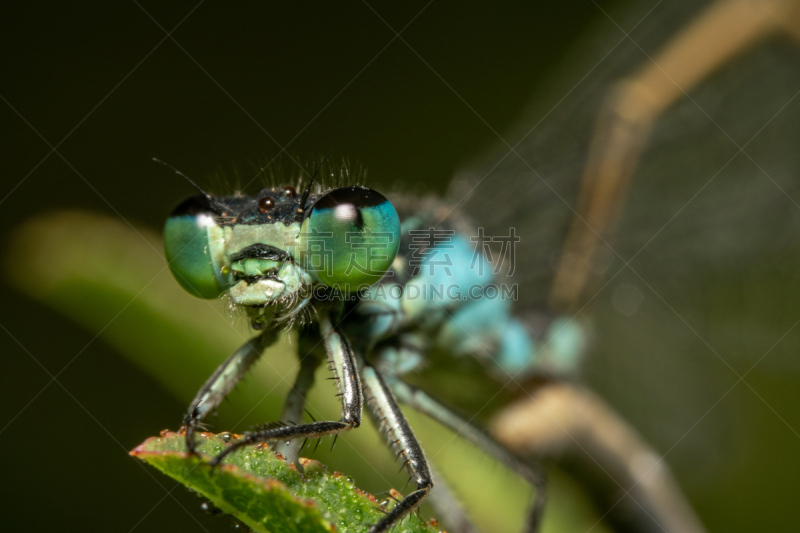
(103, 84)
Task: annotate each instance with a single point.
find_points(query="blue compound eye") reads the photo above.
(186, 244)
(350, 238)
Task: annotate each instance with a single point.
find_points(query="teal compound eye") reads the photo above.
(188, 250)
(350, 238)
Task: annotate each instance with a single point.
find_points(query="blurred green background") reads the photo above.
(244, 79)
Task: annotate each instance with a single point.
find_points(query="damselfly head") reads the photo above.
(272, 249)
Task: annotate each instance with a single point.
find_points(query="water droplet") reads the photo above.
(210, 508)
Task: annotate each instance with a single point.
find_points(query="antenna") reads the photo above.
(301, 209)
(220, 207)
(184, 176)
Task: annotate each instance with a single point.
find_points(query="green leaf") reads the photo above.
(256, 486)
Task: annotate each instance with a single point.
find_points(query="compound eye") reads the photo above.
(186, 245)
(350, 238)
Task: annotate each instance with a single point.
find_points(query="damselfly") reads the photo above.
(368, 294)
(372, 338)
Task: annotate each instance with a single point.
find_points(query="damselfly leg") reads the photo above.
(222, 382)
(345, 370)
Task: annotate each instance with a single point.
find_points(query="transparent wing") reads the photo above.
(702, 201)
(710, 226)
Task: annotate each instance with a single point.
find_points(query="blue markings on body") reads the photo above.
(448, 306)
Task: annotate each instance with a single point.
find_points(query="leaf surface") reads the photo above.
(256, 486)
